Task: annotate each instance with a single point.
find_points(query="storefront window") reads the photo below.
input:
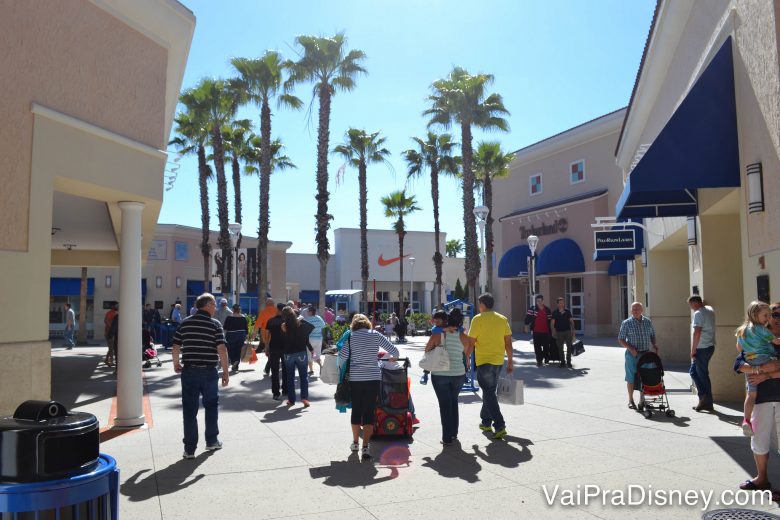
(575, 301)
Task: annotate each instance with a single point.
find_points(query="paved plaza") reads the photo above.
(573, 431)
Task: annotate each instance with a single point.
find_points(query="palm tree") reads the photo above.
(453, 247)
(191, 138)
(361, 149)
(219, 101)
(398, 205)
(234, 137)
(460, 98)
(330, 66)
(490, 162)
(262, 81)
(435, 154)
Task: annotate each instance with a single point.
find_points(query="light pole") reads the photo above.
(411, 280)
(481, 212)
(533, 241)
(235, 230)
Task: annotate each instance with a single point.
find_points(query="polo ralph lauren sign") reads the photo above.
(623, 240)
(559, 226)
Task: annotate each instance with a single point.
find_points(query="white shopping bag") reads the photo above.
(436, 360)
(510, 390)
(329, 373)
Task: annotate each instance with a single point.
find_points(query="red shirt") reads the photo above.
(541, 323)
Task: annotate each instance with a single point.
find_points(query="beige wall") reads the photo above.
(76, 72)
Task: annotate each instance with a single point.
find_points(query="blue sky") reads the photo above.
(557, 63)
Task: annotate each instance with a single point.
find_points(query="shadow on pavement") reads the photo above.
(175, 477)
(738, 448)
(72, 377)
(353, 473)
(453, 462)
(505, 452)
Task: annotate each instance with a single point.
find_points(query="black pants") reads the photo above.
(542, 346)
(275, 360)
(364, 399)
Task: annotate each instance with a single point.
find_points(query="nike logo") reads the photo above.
(382, 262)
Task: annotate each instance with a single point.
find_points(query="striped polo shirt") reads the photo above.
(362, 350)
(199, 335)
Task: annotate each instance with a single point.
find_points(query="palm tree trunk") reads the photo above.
(401, 232)
(437, 258)
(487, 199)
(222, 207)
(362, 182)
(323, 218)
(237, 193)
(265, 190)
(205, 245)
(469, 221)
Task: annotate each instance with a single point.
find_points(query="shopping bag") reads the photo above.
(329, 372)
(436, 360)
(577, 348)
(253, 357)
(246, 353)
(510, 390)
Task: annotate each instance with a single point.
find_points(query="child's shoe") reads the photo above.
(747, 428)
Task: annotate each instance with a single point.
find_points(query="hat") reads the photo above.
(223, 300)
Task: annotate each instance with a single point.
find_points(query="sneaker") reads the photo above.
(538, 365)
(364, 454)
(500, 434)
(186, 455)
(485, 428)
(568, 365)
(266, 373)
(354, 446)
(214, 447)
(311, 372)
(277, 397)
(424, 379)
(747, 428)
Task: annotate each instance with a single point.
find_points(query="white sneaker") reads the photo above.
(354, 446)
(214, 447)
(365, 453)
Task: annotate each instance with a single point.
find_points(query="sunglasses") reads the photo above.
(776, 314)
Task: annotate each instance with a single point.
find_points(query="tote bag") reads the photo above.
(329, 373)
(436, 360)
(510, 390)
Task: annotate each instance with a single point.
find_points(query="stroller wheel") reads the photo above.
(648, 414)
(670, 413)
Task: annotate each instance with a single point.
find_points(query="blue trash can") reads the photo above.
(167, 329)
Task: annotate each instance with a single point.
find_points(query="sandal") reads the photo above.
(750, 485)
(632, 405)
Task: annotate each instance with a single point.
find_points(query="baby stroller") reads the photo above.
(652, 392)
(148, 352)
(393, 415)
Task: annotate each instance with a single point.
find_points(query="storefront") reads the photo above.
(699, 151)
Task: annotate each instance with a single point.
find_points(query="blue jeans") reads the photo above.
(235, 341)
(291, 362)
(487, 377)
(447, 389)
(700, 371)
(197, 382)
(68, 335)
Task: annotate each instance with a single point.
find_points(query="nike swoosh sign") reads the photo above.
(382, 262)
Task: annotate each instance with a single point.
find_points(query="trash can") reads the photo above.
(50, 465)
(167, 330)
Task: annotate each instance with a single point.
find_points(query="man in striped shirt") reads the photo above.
(637, 336)
(201, 343)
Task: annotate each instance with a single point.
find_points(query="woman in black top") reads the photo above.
(236, 326)
(295, 336)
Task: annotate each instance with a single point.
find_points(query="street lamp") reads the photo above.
(235, 231)
(411, 280)
(481, 212)
(533, 241)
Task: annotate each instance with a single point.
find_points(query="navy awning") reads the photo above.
(70, 286)
(617, 268)
(698, 148)
(309, 296)
(514, 263)
(560, 256)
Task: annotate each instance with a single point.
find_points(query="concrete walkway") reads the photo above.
(574, 431)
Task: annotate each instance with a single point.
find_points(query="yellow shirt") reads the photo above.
(489, 329)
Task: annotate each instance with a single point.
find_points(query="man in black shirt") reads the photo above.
(562, 326)
(276, 352)
(201, 342)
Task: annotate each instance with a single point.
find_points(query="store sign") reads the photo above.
(559, 226)
(623, 240)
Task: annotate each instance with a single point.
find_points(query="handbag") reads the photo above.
(436, 359)
(329, 372)
(578, 348)
(510, 390)
(343, 396)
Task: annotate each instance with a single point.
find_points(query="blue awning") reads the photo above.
(514, 263)
(617, 268)
(698, 148)
(70, 286)
(309, 296)
(560, 256)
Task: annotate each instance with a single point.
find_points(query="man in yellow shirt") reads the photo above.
(491, 337)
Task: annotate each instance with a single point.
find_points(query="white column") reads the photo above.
(129, 391)
(427, 295)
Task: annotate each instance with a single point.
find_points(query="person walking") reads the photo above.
(362, 352)
(198, 348)
(637, 336)
(491, 338)
(222, 311)
(236, 327)
(295, 336)
(702, 348)
(315, 338)
(176, 314)
(275, 351)
(108, 319)
(537, 320)
(70, 326)
(447, 383)
(260, 331)
(562, 326)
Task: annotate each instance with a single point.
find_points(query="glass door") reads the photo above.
(575, 301)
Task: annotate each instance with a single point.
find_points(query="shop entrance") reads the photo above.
(575, 302)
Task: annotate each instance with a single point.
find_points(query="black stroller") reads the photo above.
(652, 392)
